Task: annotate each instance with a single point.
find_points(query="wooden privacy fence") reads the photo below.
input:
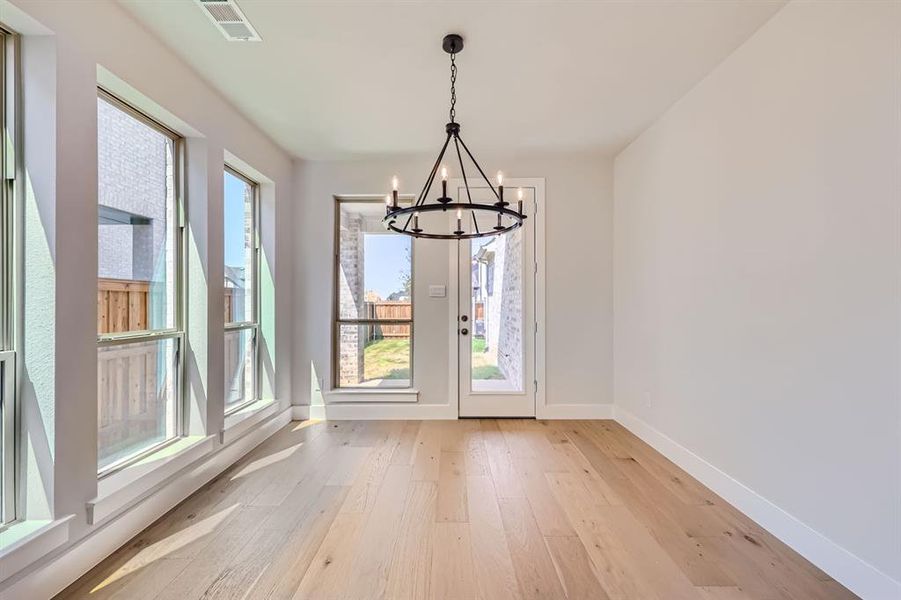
(122, 305)
(133, 380)
(388, 310)
(480, 311)
(131, 401)
(229, 303)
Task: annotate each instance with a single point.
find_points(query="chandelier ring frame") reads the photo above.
(409, 211)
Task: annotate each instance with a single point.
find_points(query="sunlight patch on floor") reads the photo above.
(168, 545)
(307, 423)
(267, 461)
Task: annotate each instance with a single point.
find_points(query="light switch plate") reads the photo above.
(437, 291)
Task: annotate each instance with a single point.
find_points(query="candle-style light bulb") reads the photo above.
(459, 214)
(416, 228)
(444, 197)
(394, 183)
(500, 178)
(500, 189)
(387, 203)
(519, 201)
(459, 222)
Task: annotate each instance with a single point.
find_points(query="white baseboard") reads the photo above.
(857, 575)
(375, 412)
(575, 411)
(73, 561)
(347, 411)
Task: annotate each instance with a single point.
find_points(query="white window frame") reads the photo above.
(177, 332)
(254, 323)
(10, 254)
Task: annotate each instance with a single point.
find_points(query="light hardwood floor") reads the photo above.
(455, 509)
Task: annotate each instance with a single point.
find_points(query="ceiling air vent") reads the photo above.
(230, 20)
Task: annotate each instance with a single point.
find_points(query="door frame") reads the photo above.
(511, 183)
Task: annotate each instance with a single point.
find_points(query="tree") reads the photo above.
(406, 275)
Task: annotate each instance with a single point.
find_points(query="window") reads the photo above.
(7, 289)
(373, 292)
(139, 274)
(241, 290)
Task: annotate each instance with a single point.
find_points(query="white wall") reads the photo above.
(757, 280)
(579, 269)
(67, 48)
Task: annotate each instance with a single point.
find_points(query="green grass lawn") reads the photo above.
(486, 372)
(390, 359)
(386, 359)
(482, 365)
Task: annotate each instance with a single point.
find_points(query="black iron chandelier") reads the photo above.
(501, 219)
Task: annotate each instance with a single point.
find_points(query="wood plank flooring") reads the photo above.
(469, 509)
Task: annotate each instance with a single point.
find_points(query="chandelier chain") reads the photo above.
(453, 89)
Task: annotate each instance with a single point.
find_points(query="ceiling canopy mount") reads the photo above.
(452, 43)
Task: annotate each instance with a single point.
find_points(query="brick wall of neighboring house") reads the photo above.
(503, 307)
(135, 175)
(350, 295)
(508, 279)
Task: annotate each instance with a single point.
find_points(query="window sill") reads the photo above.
(373, 395)
(125, 487)
(25, 542)
(240, 422)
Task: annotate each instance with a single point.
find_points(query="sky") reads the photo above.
(384, 258)
(234, 221)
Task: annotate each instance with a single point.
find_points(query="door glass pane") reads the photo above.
(239, 272)
(497, 313)
(374, 265)
(137, 386)
(374, 355)
(136, 224)
(239, 367)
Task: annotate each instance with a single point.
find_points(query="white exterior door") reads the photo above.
(495, 322)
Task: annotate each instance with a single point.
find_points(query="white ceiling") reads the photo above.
(344, 79)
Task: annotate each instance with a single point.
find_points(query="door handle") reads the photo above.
(464, 331)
